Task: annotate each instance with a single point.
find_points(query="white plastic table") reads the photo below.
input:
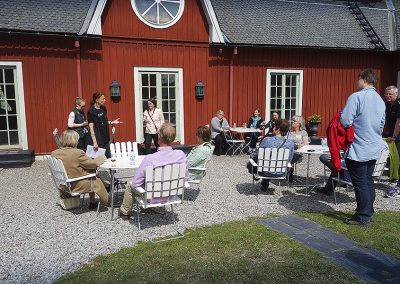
(122, 163)
(242, 131)
(311, 150)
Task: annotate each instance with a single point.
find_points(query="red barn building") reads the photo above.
(297, 57)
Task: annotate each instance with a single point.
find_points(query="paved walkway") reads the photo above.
(367, 264)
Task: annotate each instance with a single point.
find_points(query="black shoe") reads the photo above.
(353, 221)
(93, 205)
(256, 179)
(325, 191)
(123, 216)
(264, 184)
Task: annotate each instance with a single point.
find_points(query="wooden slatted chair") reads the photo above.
(56, 138)
(61, 180)
(273, 163)
(123, 149)
(376, 174)
(163, 186)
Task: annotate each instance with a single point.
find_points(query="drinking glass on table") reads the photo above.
(113, 160)
(324, 143)
(245, 125)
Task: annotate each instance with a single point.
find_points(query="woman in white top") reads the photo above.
(153, 118)
(77, 121)
(299, 136)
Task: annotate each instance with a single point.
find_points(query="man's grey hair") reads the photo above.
(390, 88)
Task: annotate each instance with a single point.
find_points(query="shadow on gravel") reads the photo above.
(300, 202)
(152, 218)
(191, 194)
(254, 189)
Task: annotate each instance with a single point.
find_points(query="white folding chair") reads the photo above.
(200, 171)
(273, 163)
(163, 186)
(234, 144)
(123, 150)
(376, 174)
(61, 180)
(56, 138)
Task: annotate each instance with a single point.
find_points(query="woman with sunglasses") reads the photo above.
(77, 122)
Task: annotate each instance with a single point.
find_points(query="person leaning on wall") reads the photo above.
(77, 122)
(153, 118)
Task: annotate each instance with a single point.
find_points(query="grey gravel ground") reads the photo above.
(40, 242)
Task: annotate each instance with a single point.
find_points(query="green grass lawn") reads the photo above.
(235, 252)
(383, 234)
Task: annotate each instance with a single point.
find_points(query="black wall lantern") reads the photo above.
(199, 90)
(115, 90)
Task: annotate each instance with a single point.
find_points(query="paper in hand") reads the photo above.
(94, 154)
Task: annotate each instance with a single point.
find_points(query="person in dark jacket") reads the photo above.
(77, 122)
(98, 123)
(269, 126)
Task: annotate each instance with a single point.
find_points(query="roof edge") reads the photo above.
(89, 16)
(215, 33)
(95, 23)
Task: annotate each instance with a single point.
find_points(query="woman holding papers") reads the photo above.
(98, 123)
(77, 164)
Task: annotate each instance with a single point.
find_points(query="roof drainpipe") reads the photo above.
(234, 54)
(78, 67)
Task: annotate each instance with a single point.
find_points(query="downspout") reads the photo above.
(234, 54)
(78, 67)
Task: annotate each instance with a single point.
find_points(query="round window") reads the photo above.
(158, 13)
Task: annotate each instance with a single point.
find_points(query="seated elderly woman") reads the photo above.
(218, 125)
(77, 164)
(199, 154)
(278, 140)
(299, 136)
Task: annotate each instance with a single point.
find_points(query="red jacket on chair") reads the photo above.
(339, 138)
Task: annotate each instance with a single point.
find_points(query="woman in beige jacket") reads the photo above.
(153, 118)
(77, 164)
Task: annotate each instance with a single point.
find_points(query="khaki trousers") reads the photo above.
(97, 187)
(127, 202)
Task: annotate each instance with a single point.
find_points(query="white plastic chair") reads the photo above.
(163, 185)
(61, 180)
(123, 150)
(273, 161)
(234, 144)
(201, 170)
(56, 138)
(376, 174)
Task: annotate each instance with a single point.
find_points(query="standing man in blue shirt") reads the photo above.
(365, 110)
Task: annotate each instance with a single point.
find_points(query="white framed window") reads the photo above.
(166, 85)
(284, 93)
(159, 14)
(12, 107)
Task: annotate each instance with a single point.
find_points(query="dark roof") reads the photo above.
(46, 16)
(305, 23)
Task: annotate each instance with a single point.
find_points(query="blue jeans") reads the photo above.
(363, 183)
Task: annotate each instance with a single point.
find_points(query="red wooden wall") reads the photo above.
(329, 77)
(50, 78)
(119, 20)
(50, 85)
